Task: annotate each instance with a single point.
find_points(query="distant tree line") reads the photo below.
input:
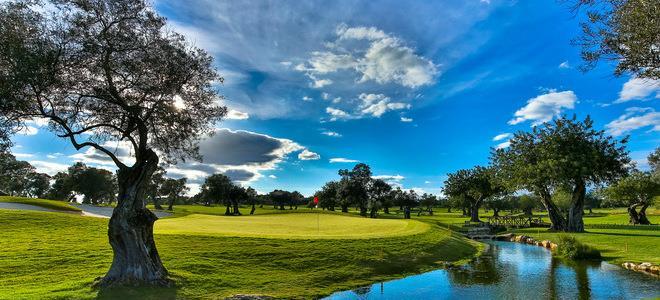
(357, 188)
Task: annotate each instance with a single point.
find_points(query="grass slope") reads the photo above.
(49, 255)
(51, 204)
(607, 230)
(615, 244)
(305, 226)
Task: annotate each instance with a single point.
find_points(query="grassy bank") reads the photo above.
(51, 255)
(50, 204)
(607, 231)
(616, 245)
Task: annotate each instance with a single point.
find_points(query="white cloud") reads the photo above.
(564, 65)
(331, 133)
(342, 160)
(406, 120)
(54, 155)
(28, 130)
(501, 136)
(308, 155)
(503, 145)
(306, 98)
(427, 182)
(237, 115)
(639, 89)
(544, 107)
(378, 104)
(325, 96)
(386, 59)
(337, 113)
(634, 118)
(272, 176)
(47, 167)
(22, 155)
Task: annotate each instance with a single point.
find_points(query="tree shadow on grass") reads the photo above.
(146, 293)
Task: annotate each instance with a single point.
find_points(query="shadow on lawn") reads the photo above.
(145, 292)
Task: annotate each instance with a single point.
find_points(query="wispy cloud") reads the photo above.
(342, 160)
(639, 89)
(634, 118)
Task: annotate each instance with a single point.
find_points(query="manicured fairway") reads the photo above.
(57, 256)
(291, 225)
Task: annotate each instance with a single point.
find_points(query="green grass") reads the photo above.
(305, 226)
(570, 248)
(607, 231)
(615, 245)
(51, 255)
(51, 204)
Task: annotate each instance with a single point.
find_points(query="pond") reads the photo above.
(516, 271)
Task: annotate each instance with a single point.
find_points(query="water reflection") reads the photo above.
(516, 271)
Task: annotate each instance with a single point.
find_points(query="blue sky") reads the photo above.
(415, 89)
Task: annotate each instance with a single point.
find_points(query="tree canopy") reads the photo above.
(563, 154)
(624, 31)
(104, 73)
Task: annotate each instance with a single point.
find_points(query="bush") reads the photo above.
(570, 248)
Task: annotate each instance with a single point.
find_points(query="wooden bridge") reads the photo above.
(516, 221)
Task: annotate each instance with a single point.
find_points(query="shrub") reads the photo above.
(570, 248)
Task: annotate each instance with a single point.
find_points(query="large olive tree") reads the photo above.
(626, 32)
(563, 154)
(637, 192)
(105, 71)
(475, 185)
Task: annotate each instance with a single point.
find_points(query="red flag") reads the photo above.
(316, 200)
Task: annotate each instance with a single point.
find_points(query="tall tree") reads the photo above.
(173, 189)
(37, 184)
(62, 187)
(428, 201)
(217, 189)
(563, 154)
(624, 31)
(103, 71)
(252, 197)
(475, 185)
(152, 190)
(14, 175)
(637, 191)
(379, 191)
(354, 186)
(328, 195)
(96, 185)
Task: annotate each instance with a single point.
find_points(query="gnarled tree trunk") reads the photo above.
(170, 203)
(156, 203)
(236, 212)
(130, 231)
(638, 218)
(474, 210)
(576, 210)
(344, 208)
(556, 219)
